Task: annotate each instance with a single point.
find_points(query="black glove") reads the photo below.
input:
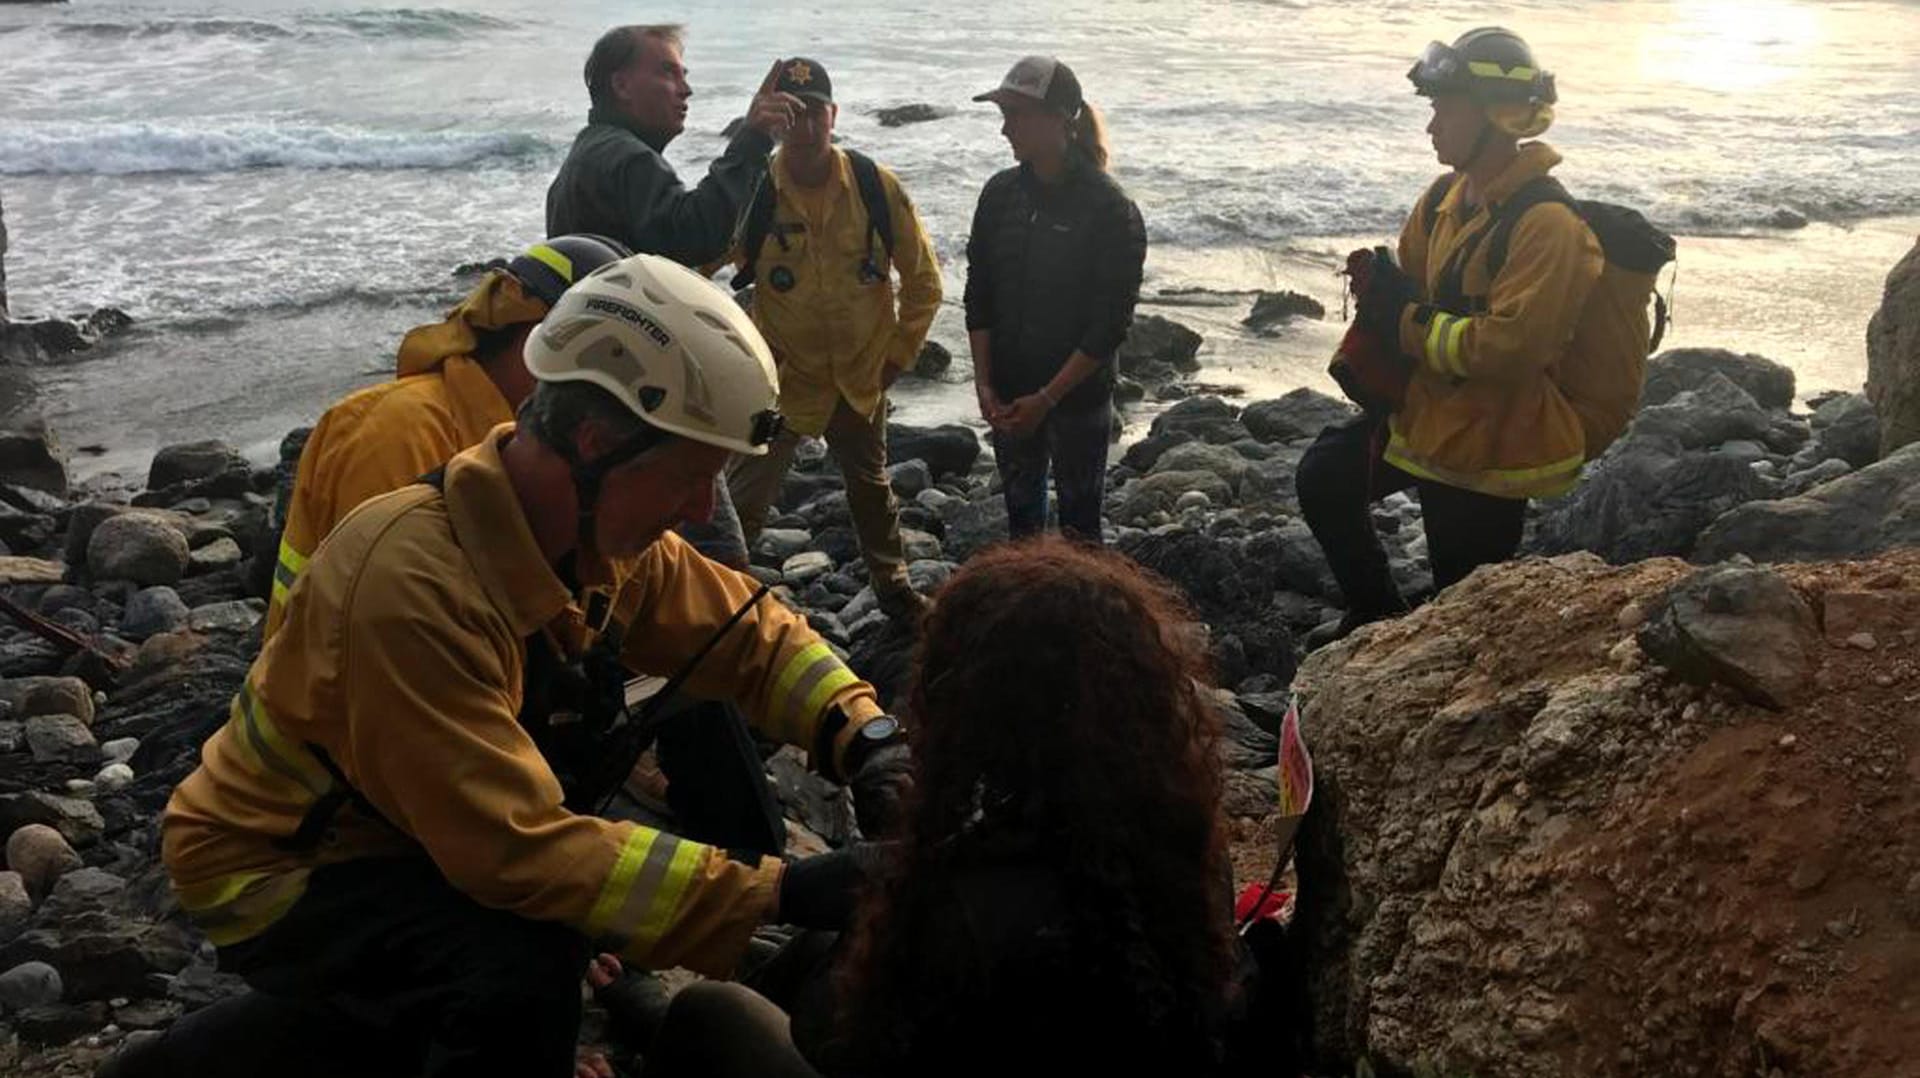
(880, 780)
(1388, 293)
(821, 891)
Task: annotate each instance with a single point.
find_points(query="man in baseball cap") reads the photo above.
(805, 79)
(1042, 79)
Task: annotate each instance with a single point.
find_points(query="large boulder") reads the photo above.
(974, 523)
(1218, 460)
(1208, 418)
(139, 548)
(152, 611)
(1715, 411)
(949, 449)
(1156, 346)
(1271, 310)
(1845, 427)
(1645, 498)
(76, 819)
(1893, 356)
(41, 855)
(1139, 500)
(1302, 413)
(918, 113)
(1874, 509)
(30, 457)
(1532, 853)
(193, 461)
(1680, 369)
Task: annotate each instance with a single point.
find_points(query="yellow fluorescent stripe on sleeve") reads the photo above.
(1455, 334)
(798, 666)
(1436, 345)
(835, 680)
(279, 594)
(271, 746)
(667, 897)
(233, 908)
(555, 261)
(292, 560)
(613, 893)
(794, 709)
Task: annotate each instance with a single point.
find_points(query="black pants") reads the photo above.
(1072, 446)
(1340, 478)
(383, 968)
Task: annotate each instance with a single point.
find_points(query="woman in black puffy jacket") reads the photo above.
(1053, 273)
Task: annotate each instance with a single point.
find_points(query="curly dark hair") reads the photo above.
(1062, 863)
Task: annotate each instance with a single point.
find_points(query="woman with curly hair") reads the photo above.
(1056, 897)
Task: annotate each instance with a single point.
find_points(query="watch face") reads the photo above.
(881, 728)
(781, 278)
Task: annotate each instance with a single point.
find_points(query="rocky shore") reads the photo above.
(1637, 803)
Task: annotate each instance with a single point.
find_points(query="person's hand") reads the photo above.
(592, 1065)
(1388, 293)
(992, 408)
(821, 891)
(603, 970)
(773, 111)
(1024, 415)
(880, 784)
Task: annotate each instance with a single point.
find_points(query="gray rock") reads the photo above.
(1645, 497)
(1302, 413)
(113, 777)
(61, 739)
(928, 575)
(30, 984)
(1155, 341)
(13, 737)
(1207, 418)
(1893, 356)
(805, 566)
(1846, 427)
(1715, 411)
(1142, 498)
(775, 545)
(222, 553)
(139, 548)
(932, 361)
(77, 821)
(49, 696)
(1681, 369)
(910, 477)
(974, 523)
(120, 749)
(947, 450)
(236, 616)
(919, 545)
(16, 906)
(23, 530)
(103, 955)
(1216, 460)
(918, 113)
(41, 855)
(192, 461)
(1271, 310)
(1738, 625)
(32, 458)
(82, 891)
(152, 611)
(1874, 509)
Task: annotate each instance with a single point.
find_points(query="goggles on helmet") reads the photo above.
(1442, 69)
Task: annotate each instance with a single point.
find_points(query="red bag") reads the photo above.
(1371, 372)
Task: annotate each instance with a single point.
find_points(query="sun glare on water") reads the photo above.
(1730, 46)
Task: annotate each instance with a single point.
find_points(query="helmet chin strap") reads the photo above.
(590, 474)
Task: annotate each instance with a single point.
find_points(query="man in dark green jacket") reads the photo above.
(615, 181)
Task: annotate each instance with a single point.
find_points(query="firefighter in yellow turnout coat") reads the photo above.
(1484, 426)
(374, 840)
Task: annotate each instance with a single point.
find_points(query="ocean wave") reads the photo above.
(402, 23)
(126, 148)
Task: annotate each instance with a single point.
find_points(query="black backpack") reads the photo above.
(757, 222)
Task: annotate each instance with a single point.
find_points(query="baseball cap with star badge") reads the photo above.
(805, 79)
